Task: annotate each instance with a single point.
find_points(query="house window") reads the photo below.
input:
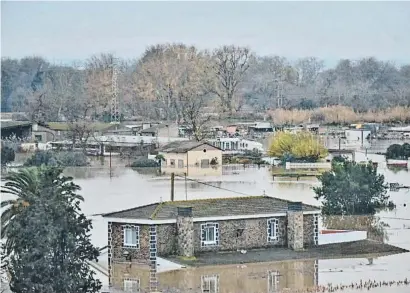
(132, 285)
(180, 163)
(38, 138)
(205, 163)
(172, 163)
(273, 230)
(273, 281)
(209, 234)
(210, 284)
(131, 236)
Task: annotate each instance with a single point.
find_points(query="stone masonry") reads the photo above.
(295, 230)
(185, 232)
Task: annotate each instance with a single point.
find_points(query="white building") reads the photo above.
(358, 135)
(236, 145)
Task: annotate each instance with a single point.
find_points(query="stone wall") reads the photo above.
(295, 230)
(166, 239)
(308, 230)
(138, 255)
(185, 236)
(254, 235)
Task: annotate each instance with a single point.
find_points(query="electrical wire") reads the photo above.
(210, 185)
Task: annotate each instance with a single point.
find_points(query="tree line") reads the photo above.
(182, 83)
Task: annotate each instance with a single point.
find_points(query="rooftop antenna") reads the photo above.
(115, 117)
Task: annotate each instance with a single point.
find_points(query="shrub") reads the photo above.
(50, 158)
(7, 155)
(396, 151)
(144, 162)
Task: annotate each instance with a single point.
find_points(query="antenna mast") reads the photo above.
(115, 116)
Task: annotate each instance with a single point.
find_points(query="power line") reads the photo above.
(210, 185)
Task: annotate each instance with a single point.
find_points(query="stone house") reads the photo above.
(186, 228)
(193, 158)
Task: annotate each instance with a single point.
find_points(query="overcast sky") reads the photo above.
(65, 31)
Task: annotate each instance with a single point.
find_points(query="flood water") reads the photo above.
(107, 190)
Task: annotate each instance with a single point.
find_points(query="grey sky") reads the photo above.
(63, 31)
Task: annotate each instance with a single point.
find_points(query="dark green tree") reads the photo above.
(352, 189)
(394, 151)
(51, 240)
(54, 159)
(7, 155)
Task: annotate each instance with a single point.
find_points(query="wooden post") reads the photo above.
(172, 186)
(186, 189)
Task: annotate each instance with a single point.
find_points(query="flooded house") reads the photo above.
(192, 158)
(236, 145)
(17, 129)
(186, 228)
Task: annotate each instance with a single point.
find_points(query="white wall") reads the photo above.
(342, 237)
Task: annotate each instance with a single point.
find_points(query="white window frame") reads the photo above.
(213, 279)
(137, 236)
(215, 226)
(272, 229)
(273, 281)
(130, 284)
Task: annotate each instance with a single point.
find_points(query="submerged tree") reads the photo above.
(51, 239)
(352, 189)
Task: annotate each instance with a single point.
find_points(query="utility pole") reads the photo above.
(172, 186)
(186, 188)
(115, 115)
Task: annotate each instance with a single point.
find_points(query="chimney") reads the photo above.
(185, 231)
(295, 225)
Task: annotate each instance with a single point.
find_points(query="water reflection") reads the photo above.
(264, 277)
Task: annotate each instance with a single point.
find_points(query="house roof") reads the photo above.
(12, 124)
(152, 129)
(183, 146)
(212, 207)
(64, 126)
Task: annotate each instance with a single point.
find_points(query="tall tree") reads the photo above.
(230, 65)
(51, 246)
(352, 189)
(178, 79)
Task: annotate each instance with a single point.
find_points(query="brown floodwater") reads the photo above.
(107, 190)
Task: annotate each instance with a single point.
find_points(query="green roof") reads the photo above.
(212, 207)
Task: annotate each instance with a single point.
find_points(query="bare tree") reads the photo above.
(179, 80)
(230, 65)
(308, 70)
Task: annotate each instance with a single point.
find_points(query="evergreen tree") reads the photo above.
(352, 189)
(51, 240)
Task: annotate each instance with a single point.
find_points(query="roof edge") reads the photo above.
(146, 221)
(130, 209)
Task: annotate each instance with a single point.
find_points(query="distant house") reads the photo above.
(18, 129)
(191, 158)
(42, 134)
(65, 129)
(261, 128)
(188, 228)
(234, 145)
(160, 130)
